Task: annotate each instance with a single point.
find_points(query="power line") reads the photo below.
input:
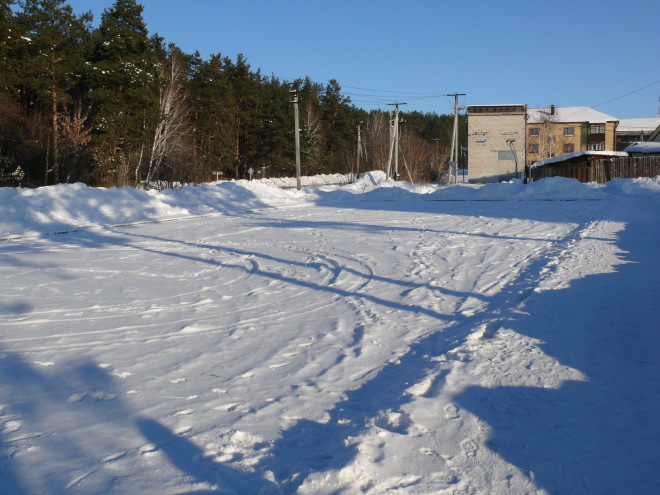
(394, 92)
(627, 94)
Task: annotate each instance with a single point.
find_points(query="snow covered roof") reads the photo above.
(638, 125)
(649, 147)
(577, 154)
(569, 114)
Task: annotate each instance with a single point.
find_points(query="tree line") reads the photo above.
(115, 106)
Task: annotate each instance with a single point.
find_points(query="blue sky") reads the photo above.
(601, 54)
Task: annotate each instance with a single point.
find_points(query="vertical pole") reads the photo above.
(296, 122)
(453, 154)
(394, 140)
(454, 140)
(389, 160)
(396, 143)
(359, 153)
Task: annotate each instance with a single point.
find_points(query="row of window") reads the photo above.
(570, 147)
(570, 131)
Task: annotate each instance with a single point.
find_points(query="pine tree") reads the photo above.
(338, 125)
(124, 76)
(52, 37)
(245, 86)
(213, 114)
(7, 41)
(274, 150)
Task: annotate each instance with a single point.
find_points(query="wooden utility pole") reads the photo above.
(453, 154)
(296, 122)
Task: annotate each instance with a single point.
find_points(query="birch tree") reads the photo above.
(174, 111)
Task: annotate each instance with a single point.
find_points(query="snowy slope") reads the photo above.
(373, 338)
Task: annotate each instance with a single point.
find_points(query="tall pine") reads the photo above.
(213, 115)
(52, 37)
(124, 77)
(7, 41)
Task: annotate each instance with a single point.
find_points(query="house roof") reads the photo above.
(648, 147)
(578, 154)
(569, 114)
(638, 125)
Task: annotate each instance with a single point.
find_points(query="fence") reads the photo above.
(600, 170)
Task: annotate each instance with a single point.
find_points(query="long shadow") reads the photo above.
(188, 458)
(37, 396)
(40, 408)
(601, 435)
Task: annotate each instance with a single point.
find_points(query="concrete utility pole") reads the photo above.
(296, 122)
(394, 145)
(359, 152)
(453, 154)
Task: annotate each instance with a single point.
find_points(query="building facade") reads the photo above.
(496, 141)
(631, 131)
(556, 131)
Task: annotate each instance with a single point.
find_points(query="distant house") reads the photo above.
(631, 131)
(556, 131)
(496, 141)
(651, 147)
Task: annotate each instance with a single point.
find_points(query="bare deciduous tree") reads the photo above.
(173, 125)
(313, 137)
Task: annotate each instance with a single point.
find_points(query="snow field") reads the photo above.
(367, 339)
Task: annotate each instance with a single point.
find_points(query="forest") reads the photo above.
(116, 106)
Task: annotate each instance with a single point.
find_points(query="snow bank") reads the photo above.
(642, 187)
(316, 180)
(66, 206)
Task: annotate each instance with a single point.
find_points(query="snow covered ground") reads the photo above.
(374, 338)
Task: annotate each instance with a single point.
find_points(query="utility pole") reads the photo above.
(394, 145)
(453, 154)
(296, 122)
(510, 142)
(359, 151)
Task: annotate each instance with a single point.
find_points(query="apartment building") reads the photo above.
(556, 131)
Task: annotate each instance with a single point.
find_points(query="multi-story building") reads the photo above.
(557, 131)
(496, 141)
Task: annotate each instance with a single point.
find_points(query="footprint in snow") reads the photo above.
(278, 365)
(451, 411)
(113, 457)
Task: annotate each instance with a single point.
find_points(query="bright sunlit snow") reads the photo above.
(380, 337)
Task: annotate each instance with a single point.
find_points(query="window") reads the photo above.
(533, 148)
(481, 141)
(533, 131)
(569, 148)
(597, 128)
(598, 146)
(569, 131)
